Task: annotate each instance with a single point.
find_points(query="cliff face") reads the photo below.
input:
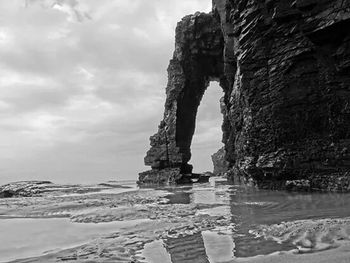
(219, 162)
(284, 66)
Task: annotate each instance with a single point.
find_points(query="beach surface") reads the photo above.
(211, 222)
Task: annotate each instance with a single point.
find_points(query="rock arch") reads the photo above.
(284, 67)
(197, 60)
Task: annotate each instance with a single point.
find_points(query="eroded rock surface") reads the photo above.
(219, 162)
(24, 188)
(198, 58)
(284, 67)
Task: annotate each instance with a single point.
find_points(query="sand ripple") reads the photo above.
(308, 235)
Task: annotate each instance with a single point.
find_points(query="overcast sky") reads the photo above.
(82, 87)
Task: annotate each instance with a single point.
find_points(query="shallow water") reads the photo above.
(22, 238)
(251, 208)
(207, 246)
(212, 222)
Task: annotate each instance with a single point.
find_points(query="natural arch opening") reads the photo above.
(270, 128)
(197, 60)
(207, 138)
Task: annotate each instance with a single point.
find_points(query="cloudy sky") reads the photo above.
(82, 87)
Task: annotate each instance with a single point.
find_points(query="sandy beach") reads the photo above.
(213, 222)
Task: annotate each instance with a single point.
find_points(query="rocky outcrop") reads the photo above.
(284, 66)
(24, 189)
(289, 104)
(198, 59)
(219, 162)
(44, 188)
(161, 176)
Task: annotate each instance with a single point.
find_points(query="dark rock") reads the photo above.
(204, 177)
(284, 67)
(298, 185)
(23, 189)
(164, 176)
(221, 166)
(197, 59)
(6, 194)
(209, 174)
(185, 179)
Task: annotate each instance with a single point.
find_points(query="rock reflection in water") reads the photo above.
(205, 247)
(187, 249)
(212, 222)
(250, 208)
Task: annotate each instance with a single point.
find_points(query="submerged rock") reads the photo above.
(284, 68)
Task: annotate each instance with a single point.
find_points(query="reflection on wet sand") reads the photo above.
(249, 209)
(212, 222)
(187, 249)
(204, 247)
(252, 208)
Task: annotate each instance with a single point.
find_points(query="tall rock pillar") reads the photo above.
(196, 61)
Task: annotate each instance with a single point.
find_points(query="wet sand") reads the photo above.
(337, 255)
(63, 234)
(214, 222)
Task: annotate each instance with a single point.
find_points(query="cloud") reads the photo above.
(76, 11)
(82, 85)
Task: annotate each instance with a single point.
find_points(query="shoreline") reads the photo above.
(195, 218)
(339, 254)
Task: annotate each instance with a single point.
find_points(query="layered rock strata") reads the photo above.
(198, 59)
(219, 162)
(284, 67)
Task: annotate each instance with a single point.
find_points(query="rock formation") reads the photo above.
(284, 67)
(198, 59)
(42, 188)
(219, 162)
(24, 189)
